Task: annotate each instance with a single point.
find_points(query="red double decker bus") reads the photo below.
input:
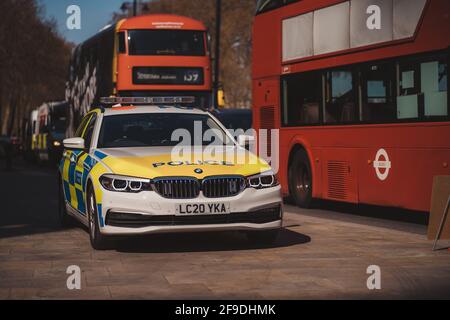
(152, 55)
(358, 91)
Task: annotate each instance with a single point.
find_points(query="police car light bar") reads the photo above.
(147, 100)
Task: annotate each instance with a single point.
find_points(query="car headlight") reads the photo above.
(263, 181)
(56, 144)
(125, 184)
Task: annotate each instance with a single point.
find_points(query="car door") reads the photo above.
(82, 168)
(74, 196)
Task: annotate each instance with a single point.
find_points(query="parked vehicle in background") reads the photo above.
(363, 112)
(29, 137)
(46, 131)
(17, 145)
(57, 130)
(152, 55)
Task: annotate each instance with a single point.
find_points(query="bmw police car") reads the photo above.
(120, 175)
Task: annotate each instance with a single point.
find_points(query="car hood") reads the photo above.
(159, 162)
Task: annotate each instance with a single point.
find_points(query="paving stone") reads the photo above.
(321, 255)
(170, 292)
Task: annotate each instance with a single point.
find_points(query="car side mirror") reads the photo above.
(244, 140)
(74, 143)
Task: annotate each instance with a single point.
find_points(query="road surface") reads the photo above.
(321, 254)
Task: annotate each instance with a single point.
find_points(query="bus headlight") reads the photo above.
(263, 181)
(118, 183)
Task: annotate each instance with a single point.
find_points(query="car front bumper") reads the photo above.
(148, 212)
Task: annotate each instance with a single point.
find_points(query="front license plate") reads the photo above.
(202, 209)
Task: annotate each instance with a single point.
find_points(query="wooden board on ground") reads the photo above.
(441, 192)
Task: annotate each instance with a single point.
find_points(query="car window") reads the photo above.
(84, 122)
(88, 133)
(158, 130)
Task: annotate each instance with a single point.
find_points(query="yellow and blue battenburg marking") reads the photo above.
(75, 168)
(100, 155)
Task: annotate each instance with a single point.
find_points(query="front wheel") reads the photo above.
(98, 241)
(63, 217)
(300, 180)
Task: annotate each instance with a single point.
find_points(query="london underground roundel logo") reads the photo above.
(382, 164)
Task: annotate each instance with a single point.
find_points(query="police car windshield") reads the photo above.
(160, 130)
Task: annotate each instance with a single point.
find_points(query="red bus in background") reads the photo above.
(358, 90)
(160, 53)
(152, 55)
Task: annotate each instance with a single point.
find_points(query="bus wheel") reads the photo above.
(300, 180)
(98, 241)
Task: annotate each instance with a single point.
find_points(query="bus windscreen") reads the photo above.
(166, 43)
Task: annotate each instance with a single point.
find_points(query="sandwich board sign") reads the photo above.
(439, 218)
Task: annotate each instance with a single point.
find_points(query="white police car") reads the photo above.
(126, 173)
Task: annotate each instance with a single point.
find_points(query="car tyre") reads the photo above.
(98, 241)
(300, 180)
(63, 218)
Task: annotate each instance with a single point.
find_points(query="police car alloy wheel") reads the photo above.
(98, 241)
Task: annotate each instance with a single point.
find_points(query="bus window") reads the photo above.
(302, 96)
(409, 88)
(378, 93)
(166, 43)
(121, 40)
(423, 88)
(434, 87)
(340, 106)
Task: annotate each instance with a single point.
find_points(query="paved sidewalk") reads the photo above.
(320, 255)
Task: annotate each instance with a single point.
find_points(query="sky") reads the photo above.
(95, 14)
